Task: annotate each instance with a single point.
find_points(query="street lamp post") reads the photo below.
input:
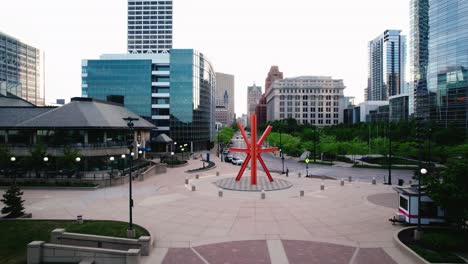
(13, 159)
(78, 159)
(123, 163)
(111, 159)
(172, 158)
(281, 153)
(418, 231)
(130, 124)
(217, 153)
(45, 159)
(389, 154)
(315, 143)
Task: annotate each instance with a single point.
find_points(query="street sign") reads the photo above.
(307, 160)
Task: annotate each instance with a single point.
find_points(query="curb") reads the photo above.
(54, 188)
(406, 250)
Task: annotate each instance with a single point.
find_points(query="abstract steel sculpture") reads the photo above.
(254, 150)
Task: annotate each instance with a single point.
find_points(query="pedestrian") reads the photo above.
(287, 172)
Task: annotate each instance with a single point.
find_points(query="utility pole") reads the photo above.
(130, 142)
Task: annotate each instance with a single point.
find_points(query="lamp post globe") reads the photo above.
(132, 154)
(46, 159)
(111, 158)
(13, 159)
(78, 159)
(423, 171)
(122, 156)
(140, 152)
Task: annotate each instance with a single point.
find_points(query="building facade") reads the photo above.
(175, 91)
(312, 100)
(399, 107)
(254, 93)
(225, 97)
(439, 60)
(387, 58)
(149, 26)
(20, 70)
(261, 108)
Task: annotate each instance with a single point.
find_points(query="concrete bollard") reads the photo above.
(301, 192)
(299, 175)
(197, 176)
(186, 180)
(217, 173)
(263, 195)
(342, 182)
(322, 186)
(79, 219)
(374, 181)
(350, 179)
(194, 188)
(220, 192)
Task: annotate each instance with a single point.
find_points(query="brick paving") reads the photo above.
(236, 252)
(308, 252)
(373, 255)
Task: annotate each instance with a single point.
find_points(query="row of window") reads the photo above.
(309, 91)
(312, 109)
(146, 47)
(306, 97)
(150, 42)
(132, 13)
(313, 121)
(147, 8)
(153, 32)
(149, 17)
(153, 22)
(306, 103)
(151, 3)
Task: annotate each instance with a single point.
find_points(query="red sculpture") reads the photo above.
(254, 150)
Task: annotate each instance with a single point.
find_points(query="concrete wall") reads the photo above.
(59, 236)
(39, 252)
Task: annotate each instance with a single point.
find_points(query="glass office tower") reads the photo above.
(193, 83)
(175, 91)
(19, 70)
(439, 53)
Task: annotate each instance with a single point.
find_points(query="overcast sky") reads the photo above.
(243, 37)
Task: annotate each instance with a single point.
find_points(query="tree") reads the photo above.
(67, 161)
(4, 157)
(13, 203)
(35, 161)
(449, 189)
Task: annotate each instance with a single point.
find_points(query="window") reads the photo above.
(282, 103)
(304, 115)
(281, 109)
(404, 203)
(304, 109)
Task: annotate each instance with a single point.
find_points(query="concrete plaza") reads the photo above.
(341, 224)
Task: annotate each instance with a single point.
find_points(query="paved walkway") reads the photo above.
(337, 225)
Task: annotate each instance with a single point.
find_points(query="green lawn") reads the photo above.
(16, 234)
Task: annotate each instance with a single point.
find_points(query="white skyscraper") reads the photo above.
(149, 28)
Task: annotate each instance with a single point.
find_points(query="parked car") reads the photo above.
(225, 151)
(237, 161)
(228, 158)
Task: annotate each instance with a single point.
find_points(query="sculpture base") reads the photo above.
(263, 183)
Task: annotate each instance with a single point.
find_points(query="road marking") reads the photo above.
(200, 256)
(277, 252)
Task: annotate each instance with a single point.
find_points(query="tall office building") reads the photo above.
(312, 100)
(149, 26)
(386, 66)
(439, 60)
(261, 108)
(225, 98)
(254, 93)
(20, 70)
(175, 91)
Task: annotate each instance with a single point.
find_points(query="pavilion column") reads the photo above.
(6, 136)
(34, 137)
(86, 137)
(105, 137)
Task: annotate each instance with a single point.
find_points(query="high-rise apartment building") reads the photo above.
(254, 93)
(149, 26)
(20, 70)
(386, 66)
(312, 100)
(439, 60)
(225, 98)
(175, 91)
